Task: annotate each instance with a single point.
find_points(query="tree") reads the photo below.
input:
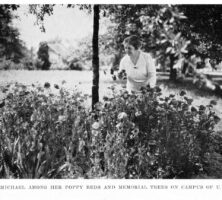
(163, 29)
(163, 26)
(43, 56)
(206, 42)
(167, 41)
(176, 34)
(95, 60)
(156, 25)
(11, 47)
(41, 10)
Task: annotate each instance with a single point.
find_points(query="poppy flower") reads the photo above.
(122, 115)
(95, 125)
(213, 102)
(182, 93)
(56, 86)
(47, 85)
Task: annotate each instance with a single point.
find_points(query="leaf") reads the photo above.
(182, 16)
(177, 36)
(163, 41)
(61, 168)
(162, 35)
(172, 20)
(173, 51)
(183, 50)
(169, 49)
(2, 103)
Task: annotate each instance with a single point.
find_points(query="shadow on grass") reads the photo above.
(188, 85)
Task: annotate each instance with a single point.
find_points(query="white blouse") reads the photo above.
(140, 74)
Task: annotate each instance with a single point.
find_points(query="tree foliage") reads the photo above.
(43, 56)
(203, 26)
(175, 34)
(11, 47)
(41, 10)
(156, 25)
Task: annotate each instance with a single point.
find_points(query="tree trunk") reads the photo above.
(95, 60)
(173, 72)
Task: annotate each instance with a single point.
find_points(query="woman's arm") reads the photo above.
(122, 71)
(151, 68)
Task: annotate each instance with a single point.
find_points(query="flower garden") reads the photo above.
(48, 135)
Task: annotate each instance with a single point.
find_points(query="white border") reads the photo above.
(101, 194)
(110, 2)
(149, 189)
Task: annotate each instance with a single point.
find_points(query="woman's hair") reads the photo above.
(132, 40)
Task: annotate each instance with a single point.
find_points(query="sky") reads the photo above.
(68, 24)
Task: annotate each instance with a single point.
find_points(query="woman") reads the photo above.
(139, 66)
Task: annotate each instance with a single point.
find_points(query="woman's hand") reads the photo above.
(122, 74)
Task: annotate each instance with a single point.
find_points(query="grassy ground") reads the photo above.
(83, 81)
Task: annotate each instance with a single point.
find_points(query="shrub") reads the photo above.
(41, 133)
(150, 136)
(43, 56)
(24, 63)
(4, 64)
(75, 64)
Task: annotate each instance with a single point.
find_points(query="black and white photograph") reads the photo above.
(111, 91)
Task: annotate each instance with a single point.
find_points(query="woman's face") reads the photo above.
(129, 49)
